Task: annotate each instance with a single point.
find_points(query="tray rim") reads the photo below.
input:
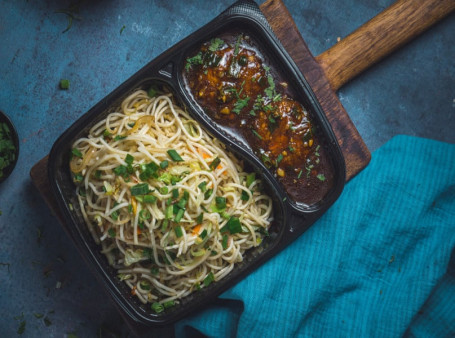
(162, 320)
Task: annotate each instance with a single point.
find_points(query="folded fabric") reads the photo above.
(377, 264)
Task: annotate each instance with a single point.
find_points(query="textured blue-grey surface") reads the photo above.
(412, 92)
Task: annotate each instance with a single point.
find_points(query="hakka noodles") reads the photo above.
(172, 210)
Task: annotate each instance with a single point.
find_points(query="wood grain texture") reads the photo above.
(379, 37)
(355, 152)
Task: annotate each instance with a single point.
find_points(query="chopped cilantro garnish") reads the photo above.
(129, 159)
(240, 104)
(321, 177)
(256, 134)
(193, 61)
(76, 152)
(215, 44)
(233, 225)
(64, 84)
(279, 159)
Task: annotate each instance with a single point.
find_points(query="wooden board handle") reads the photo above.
(380, 36)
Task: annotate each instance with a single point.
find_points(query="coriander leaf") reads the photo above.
(240, 104)
(216, 44)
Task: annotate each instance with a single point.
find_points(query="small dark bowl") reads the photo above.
(15, 138)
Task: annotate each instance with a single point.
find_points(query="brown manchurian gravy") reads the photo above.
(229, 79)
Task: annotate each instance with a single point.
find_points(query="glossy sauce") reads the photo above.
(229, 79)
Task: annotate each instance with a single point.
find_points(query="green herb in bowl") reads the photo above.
(9, 147)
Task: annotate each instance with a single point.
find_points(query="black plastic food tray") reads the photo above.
(290, 219)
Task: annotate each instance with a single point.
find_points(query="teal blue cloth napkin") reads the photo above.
(379, 263)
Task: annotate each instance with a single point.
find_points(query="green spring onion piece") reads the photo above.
(129, 159)
(140, 189)
(224, 241)
(182, 203)
(203, 234)
(233, 225)
(220, 202)
(150, 199)
(144, 214)
(111, 232)
(200, 218)
(250, 178)
(119, 137)
(145, 285)
(152, 92)
(76, 152)
(174, 155)
(114, 215)
(208, 193)
(216, 162)
(164, 190)
(178, 231)
(157, 307)
(175, 209)
(175, 193)
(169, 211)
(165, 224)
(203, 186)
(179, 215)
(244, 196)
(78, 177)
(120, 170)
(225, 215)
(164, 164)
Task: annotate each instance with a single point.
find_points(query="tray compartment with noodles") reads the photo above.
(166, 72)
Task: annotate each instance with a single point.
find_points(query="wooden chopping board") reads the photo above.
(327, 72)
